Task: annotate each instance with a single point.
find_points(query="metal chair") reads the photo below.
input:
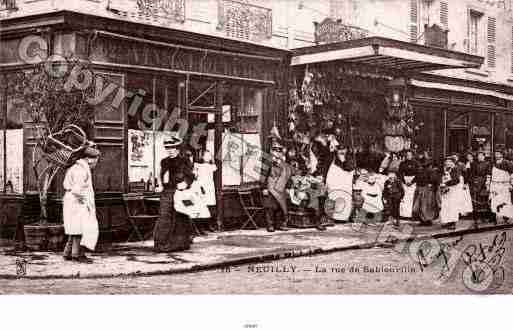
(251, 201)
(137, 216)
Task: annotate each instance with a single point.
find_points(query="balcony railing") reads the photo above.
(330, 30)
(8, 5)
(243, 20)
(168, 10)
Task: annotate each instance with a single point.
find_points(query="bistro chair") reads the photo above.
(251, 200)
(137, 216)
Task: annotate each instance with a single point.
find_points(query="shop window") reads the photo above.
(149, 113)
(481, 133)
(242, 149)
(11, 147)
(503, 133)
(428, 131)
(457, 132)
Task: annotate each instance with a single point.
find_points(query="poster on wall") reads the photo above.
(13, 178)
(140, 155)
(232, 150)
(252, 158)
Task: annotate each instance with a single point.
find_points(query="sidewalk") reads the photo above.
(218, 250)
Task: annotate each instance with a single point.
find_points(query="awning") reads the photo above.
(387, 54)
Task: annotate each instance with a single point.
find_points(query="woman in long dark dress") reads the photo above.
(173, 231)
(425, 206)
(478, 174)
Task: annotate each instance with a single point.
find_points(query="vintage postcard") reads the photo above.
(256, 147)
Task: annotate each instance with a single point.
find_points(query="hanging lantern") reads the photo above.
(275, 133)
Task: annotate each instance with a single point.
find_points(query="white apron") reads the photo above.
(373, 197)
(340, 191)
(80, 217)
(500, 192)
(466, 198)
(189, 202)
(450, 209)
(406, 206)
(205, 179)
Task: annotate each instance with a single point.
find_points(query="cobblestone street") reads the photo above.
(380, 271)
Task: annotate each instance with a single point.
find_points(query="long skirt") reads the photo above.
(406, 206)
(173, 230)
(450, 210)
(425, 207)
(480, 194)
(466, 200)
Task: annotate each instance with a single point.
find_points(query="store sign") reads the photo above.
(115, 50)
(330, 30)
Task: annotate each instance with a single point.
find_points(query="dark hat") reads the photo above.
(172, 142)
(91, 151)
(277, 145)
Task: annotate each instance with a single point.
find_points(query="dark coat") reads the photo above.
(393, 190)
(408, 168)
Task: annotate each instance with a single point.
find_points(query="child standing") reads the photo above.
(204, 172)
(393, 193)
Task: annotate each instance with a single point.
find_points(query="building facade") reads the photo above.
(226, 64)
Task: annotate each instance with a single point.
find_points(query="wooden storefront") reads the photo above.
(228, 86)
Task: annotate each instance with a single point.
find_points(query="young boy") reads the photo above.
(393, 193)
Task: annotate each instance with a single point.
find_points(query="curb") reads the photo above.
(268, 256)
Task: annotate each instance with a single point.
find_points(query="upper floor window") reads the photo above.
(240, 19)
(474, 20)
(8, 5)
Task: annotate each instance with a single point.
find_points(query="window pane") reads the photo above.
(14, 175)
(504, 133)
(481, 131)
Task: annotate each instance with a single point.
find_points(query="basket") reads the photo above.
(63, 145)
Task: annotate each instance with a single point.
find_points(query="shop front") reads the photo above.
(149, 82)
(465, 119)
(372, 86)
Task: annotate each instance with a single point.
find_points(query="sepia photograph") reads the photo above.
(256, 147)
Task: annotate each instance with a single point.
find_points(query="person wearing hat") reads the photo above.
(479, 174)
(173, 231)
(393, 193)
(79, 210)
(275, 193)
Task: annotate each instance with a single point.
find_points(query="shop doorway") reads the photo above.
(457, 140)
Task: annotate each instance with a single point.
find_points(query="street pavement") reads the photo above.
(219, 250)
(346, 272)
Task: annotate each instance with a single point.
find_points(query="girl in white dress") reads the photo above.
(204, 183)
(339, 182)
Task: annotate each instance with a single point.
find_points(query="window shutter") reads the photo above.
(444, 14)
(512, 49)
(491, 36)
(414, 19)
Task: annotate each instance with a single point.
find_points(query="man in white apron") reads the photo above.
(79, 210)
(500, 185)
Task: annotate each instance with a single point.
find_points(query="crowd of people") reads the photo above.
(369, 187)
(326, 179)
(411, 186)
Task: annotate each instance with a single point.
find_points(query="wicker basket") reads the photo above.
(63, 145)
